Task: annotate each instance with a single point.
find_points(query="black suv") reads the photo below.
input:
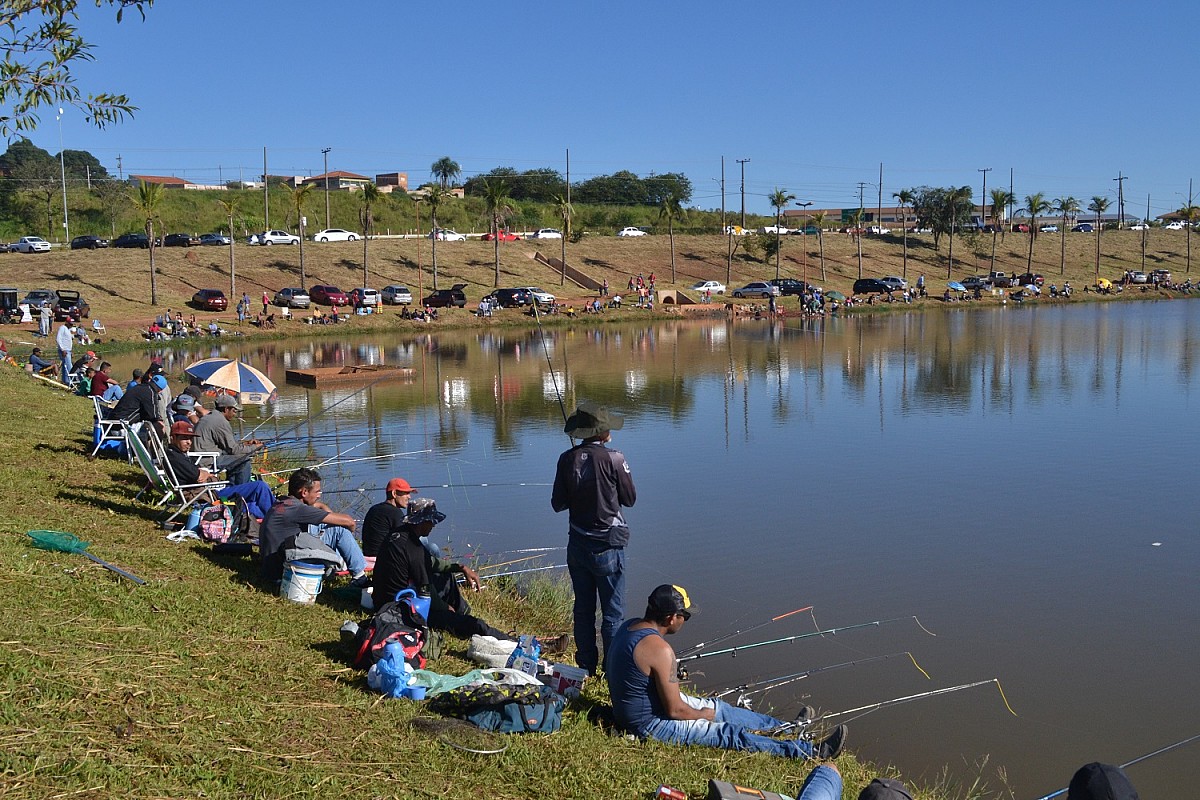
(70, 305)
(88, 242)
(789, 286)
(512, 298)
(870, 285)
(444, 298)
(131, 240)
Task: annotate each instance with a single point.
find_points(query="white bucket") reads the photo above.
(302, 581)
(567, 679)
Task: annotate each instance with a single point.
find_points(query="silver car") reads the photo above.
(757, 289)
(396, 295)
(292, 297)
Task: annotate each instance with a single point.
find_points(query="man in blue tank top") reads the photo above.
(643, 680)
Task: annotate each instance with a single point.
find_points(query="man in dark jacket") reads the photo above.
(594, 483)
(137, 405)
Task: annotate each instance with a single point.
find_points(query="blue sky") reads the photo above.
(816, 95)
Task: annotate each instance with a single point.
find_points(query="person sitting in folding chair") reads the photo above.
(258, 496)
(214, 433)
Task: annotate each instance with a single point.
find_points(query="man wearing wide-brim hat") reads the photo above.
(594, 482)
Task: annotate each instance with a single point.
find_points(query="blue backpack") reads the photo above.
(504, 709)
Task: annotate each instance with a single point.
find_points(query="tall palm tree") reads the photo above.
(564, 211)
(146, 201)
(445, 169)
(1189, 214)
(1098, 205)
(495, 194)
(434, 197)
(1035, 204)
(230, 206)
(1001, 199)
(904, 198)
(958, 202)
(820, 219)
(366, 215)
(1067, 207)
(778, 198)
(670, 211)
(856, 220)
(298, 197)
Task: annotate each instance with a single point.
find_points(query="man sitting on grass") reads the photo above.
(303, 512)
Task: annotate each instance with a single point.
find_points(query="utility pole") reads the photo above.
(879, 202)
(743, 162)
(325, 152)
(1120, 179)
(725, 229)
(120, 176)
(983, 205)
(62, 163)
(861, 185)
(1011, 196)
(266, 196)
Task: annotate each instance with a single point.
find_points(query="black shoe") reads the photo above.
(805, 717)
(832, 745)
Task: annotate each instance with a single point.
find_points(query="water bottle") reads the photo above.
(193, 520)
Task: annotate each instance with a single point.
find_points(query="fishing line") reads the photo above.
(460, 579)
(1137, 760)
(867, 709)
(782, 640)
(550, 365)
(353, 461)
(507, 563)
(323, 412)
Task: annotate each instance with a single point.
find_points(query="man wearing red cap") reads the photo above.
(384, 519)
(257, 495)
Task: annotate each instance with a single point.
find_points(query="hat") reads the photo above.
(155, 368)
(885, 789)
(159, 381)
(1098, 781)
(91, 354)
(591, 420)
(183, 429)
(193, 391)
(670, 599)
(423, 509)
(397, 485)
(185, 403)
(228, 401)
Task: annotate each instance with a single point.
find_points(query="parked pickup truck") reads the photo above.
(999, 279)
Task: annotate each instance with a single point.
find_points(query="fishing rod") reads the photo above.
(338, 456)
(910, 698)
(782, 640)
(748, 690)
(550, 365)
(324, 411)
(456, 486)
(350, 461)
(508, 563)
(460, 579)
(1137, 760)
(726, 637)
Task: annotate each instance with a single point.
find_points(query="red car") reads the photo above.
(210, 300)
(328, 295)
(504, 236)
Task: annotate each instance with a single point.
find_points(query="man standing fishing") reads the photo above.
(594, 483)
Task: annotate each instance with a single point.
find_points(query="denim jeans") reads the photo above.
(730, 730)
(597, 572)
(237, 468)
(65, 355)
(342, 540)
(823, 783)
(257, 494)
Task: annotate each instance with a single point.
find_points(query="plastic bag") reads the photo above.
(391, 673)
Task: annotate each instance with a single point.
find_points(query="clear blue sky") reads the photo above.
(816, 95)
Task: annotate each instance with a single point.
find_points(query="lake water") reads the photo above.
(1022, 480)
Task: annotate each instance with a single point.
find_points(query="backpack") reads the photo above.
(391, 623)
(504, 709)
(216, 523)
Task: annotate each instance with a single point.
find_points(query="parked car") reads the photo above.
(396, 295)
(512, 298)
(363, 296)
(774, 229)
(1048, 229)
(70, 305)
(756, 289)
(1140, 226)
(210, 300)
(1020, 227)
(975, 282)
(876, 230)
(1029, 278)
(88, 242)
(1083, 227)
(328, 295)
(546, 233)
(41, 297)
(1175, 225)
(736, 230)
(181, 240)
(215, 239)
(278, 237)
(131, 240)
(444, 298)
(999, 279)
(810, 230)
(31, 244)
(871, 285)
(335, 235)
(789, 286)
(631, 232)
(1137, 276)
(292, 297)
(1160, 276)
(896, 282)
(504, 236)
(541, 296)
(447, 235)
(716, 287)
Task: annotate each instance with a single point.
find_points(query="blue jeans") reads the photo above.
(730, 730)
(237, 468)
(257, 494)
(342, 540)
(113, 392)
(823, 783)
(597, 572)
(65, 355)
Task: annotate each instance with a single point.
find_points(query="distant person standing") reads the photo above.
(65, 339)
(594, 483)
(44, 321)
(266, 303)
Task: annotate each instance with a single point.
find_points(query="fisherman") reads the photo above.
(879, 789)
(138, 403)
(65, 339)
(303, 512)
(594, 482)
(38, 365)
(1098, 781)
(386, 518)
(643, 680)
(214, 433)
(257, 494)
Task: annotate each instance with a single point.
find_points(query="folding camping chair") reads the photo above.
(106, 430)
(162, 479)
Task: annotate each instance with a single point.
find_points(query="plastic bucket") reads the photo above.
(567, 678)
(302, 581)
(418, 602)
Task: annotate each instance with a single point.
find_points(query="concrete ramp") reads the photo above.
(573, 275)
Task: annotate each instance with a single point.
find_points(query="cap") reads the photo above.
(885, 789)
(228, 401)
(424, 509)
(183, 429)
(91, 354)
(155, 368)
(1098, 781)
(670, 599)
(185, 403)
(397, 485)
(591, 420)
(159, 381)
(193, 391)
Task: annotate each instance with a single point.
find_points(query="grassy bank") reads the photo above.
(201, 684)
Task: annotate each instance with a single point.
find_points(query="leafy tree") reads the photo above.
(434, 196)
(495, 193)
(1189, 214)
(670, 210)
(1035, 204)
(113, 198)
(904, 198)
(446, 170)
(660, 187)
(298, 198)
(620, 188)
(473, 187)
(367, 199)
(564, 211)
(1098, 206)
(146, 201)
(779, 199)
(1067, 207)
(942, 210)
(1001, 199)
(42, 45)
(820, 219)
(82, 166)
(39, 179)
(956, 213)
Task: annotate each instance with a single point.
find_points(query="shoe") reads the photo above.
(805, 717)
(361, 580)
(831, 746)
(556, 645)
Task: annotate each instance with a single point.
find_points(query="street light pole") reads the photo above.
(62, 163)
(325, 152)
(743, 162)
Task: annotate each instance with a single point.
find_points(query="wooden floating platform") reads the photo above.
(319, 377)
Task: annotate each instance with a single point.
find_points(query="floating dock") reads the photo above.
(320, 377)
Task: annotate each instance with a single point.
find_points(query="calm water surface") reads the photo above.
(1022, 480)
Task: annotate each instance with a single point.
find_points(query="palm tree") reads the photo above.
(671, 210)
(1099, 205)
(778, 198)
(434, 197)
(1001, 199)
(820, 219)
(856, 219)
(904, 198)
(1189, 214)
(495, 194)
(146, 201)
(1067, 207)
(370, 196)
(564, 210)
(1035, 204)
(957, 202)
(230, 206)
(445, 169)
(298, 195)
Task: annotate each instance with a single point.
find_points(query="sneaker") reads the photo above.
(361, 580)
(831, 746)
(805, 717)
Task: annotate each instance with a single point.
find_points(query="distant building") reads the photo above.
(423, 192)
(389, 182)
(338, 181)
(167, 182)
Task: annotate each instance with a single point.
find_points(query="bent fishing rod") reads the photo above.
(550, 365)
(1137, 760)
(697, 647)
(830, 631)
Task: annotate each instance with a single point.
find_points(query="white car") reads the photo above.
(1170, 226)
(31, 244)
(334, 235)
(773, 229)
(278, 237)
(631, 232)
(736, 230)
(1141, 226)
(875, 230)
(396, 295)
(716, 287)
(542, 297)
(546, 233)
(447, 235)
(1048, 229)
(757, 289)
(292, 297)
